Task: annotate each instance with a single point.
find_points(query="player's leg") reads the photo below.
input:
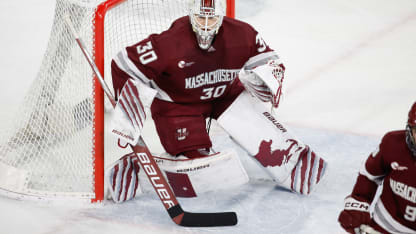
(189, 163)
(181, 128)
(288, 160)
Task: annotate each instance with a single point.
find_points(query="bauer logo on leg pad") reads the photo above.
(274, 121)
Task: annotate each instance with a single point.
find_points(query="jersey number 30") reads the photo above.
(213, 92)
(146, 52)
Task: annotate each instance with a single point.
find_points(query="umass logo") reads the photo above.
(181, 134)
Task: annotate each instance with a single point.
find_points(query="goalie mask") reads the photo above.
(206, 19)
(411, 130)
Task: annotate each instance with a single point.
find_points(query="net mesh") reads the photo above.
(49, 148)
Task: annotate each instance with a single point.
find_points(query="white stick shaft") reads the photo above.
(90, 60)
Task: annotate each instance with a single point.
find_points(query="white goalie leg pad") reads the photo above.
(265, 138)
(122, 180)
(191, 177)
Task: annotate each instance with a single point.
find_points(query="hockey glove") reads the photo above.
(264, 82)
(355, 214)
(122, 178)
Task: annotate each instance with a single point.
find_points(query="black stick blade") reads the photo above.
(209, 219)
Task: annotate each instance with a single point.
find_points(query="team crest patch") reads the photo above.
(181, 134)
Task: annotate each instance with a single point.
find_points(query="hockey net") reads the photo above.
(54, 148)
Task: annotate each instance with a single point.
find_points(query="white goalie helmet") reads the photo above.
(206, 19)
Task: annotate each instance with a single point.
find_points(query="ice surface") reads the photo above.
(350, 78)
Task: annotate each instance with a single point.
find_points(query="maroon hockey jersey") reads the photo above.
(172, 62)
(393, 165)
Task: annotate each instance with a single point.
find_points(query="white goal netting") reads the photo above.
(50, 149)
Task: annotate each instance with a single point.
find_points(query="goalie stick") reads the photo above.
(153, 172)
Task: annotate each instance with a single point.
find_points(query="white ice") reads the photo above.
(351, 77)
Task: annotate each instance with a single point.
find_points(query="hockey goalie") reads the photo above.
(392, 166)
(206, 66)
